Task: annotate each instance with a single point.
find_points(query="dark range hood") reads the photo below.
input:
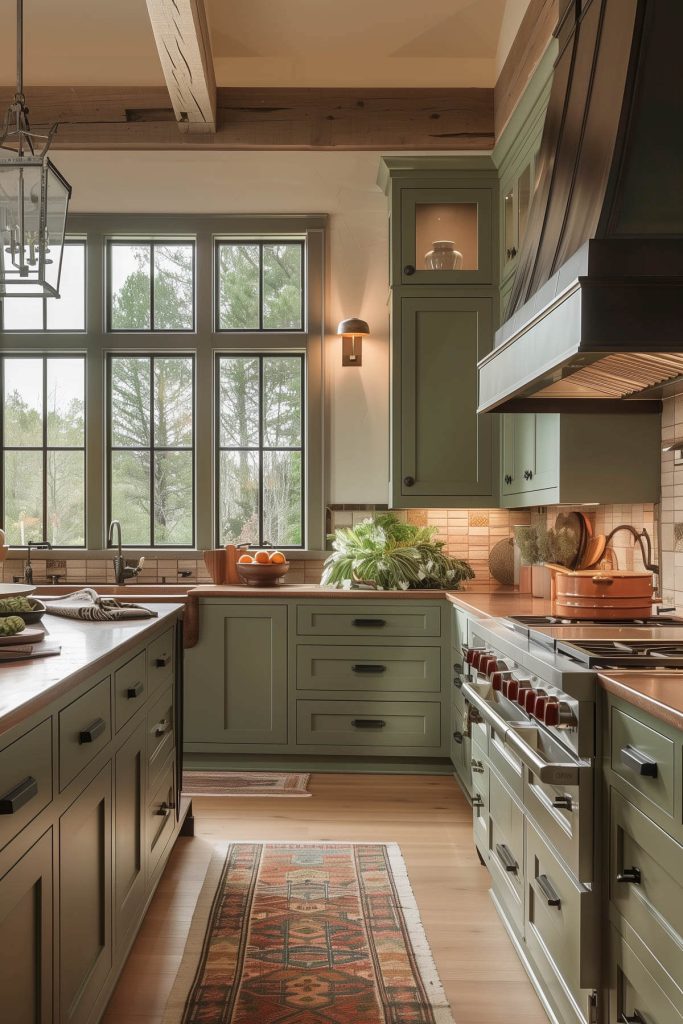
(596, 310)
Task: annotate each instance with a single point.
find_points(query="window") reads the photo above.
(67, 313)
(43, 449)
(151, 448)
(259, 286)
(260, 453)
(150, 285)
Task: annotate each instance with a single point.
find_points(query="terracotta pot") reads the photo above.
(214, 560)
(591, 594)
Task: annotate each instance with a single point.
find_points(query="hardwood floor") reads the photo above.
(431, 821)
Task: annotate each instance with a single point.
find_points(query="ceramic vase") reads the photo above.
(443, 256)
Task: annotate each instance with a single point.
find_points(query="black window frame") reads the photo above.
(68, 241)
(151, 449)
(46, 449)
(261, 541)
(114, 241)
(261, 243)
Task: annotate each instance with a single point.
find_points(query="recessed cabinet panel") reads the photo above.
(446, 449)
(129, 876)
(26, 937)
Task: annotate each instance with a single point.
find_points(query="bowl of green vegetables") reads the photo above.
(30, 609)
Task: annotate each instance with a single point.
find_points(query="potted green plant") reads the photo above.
(389, 554)
(537, 545)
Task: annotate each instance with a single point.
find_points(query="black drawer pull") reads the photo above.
(94, 730)
(528, 475)
(508, 479)
(506, 858)
(371, 670)
(368, 723)
(638, 762)
(635, 1019)
(629, 875)
(20, 795)
(563, 802)
(165, 809)
(477, 766)
(134, 691)
(162, 727)
(369, 623)
(547, 892)
(163, 661)
(457, 681)
(477, 801)
(457, 736)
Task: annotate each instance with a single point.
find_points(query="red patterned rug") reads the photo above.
(196, 783)
(307, 933)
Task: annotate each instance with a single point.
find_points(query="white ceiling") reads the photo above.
(308, 43)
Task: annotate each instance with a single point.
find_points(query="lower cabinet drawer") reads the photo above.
(336, 618)
(161, 814)
(565, 815)
(507, 764)
(25, 780)
(644, 758)
(369, 725)
(634, 993)
(84, 730)
(130, 689)
(160, 734)
(561, 927)
(506, 850)
(646, 866)
(380, 669)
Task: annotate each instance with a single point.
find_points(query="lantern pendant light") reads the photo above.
(34, 199)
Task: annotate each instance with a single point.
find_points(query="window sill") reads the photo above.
(152, 554)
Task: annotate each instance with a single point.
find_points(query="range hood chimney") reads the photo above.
(596, 309)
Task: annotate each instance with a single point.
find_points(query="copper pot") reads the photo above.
(611, 594)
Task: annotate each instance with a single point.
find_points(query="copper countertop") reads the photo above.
(658, 693)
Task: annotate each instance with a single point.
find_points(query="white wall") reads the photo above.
(339, 184)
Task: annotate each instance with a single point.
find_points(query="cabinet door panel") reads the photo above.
(240, 668)
(446, 448)
(26, 937)
(85, 953)
(129, 874)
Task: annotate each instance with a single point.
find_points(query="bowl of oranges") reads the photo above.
(262, 568)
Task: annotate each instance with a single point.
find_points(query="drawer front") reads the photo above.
(564, 814)
(84, 730)
(643, 758)
(507, 764)
(25, 780)
(160, 660)
(161, 814)
(339, 723)
(506, 850)
(369, 619)
(561, 924)
(457, 696)
(160, 734)
(645, 882)
(130, 689)
(380, 669)
(633, 990)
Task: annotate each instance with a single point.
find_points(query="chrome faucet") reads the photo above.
(122, 571)
(37, 545)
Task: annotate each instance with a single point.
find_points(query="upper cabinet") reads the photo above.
(444, 308)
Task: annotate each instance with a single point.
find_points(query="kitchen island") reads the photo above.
(89, 808)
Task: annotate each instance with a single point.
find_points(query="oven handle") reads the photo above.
(495, 721)
(554, 773)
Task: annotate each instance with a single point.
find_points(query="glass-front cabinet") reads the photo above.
(445, 236)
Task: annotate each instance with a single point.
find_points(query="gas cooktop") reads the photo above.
(645, 653)
(525, 622)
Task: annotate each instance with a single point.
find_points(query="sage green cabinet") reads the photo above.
(237, 673)
(553, 458)
(444, 454)
(129, 866)
(26, 937)
(85, 904)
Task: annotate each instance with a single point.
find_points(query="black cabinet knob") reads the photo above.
(409, 270)
(511, 252)
(408, 481)
(508, 478)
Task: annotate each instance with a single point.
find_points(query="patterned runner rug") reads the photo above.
(307, 933)
(245, 783)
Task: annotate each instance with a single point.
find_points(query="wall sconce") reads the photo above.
(352, 331)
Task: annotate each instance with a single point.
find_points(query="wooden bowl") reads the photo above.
(257, 574)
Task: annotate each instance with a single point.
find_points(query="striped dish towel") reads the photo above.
(87, 604)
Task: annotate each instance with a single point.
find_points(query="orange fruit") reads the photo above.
(277, 558)
(262, 557)
(245, 559)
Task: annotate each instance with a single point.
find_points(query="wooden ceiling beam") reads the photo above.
(268, 119)
(534, 34)
(181, 34)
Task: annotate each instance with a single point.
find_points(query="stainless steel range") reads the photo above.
(531, 684)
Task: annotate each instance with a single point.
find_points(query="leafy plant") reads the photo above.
(394, 556)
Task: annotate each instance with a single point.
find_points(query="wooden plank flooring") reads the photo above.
(431, 821)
